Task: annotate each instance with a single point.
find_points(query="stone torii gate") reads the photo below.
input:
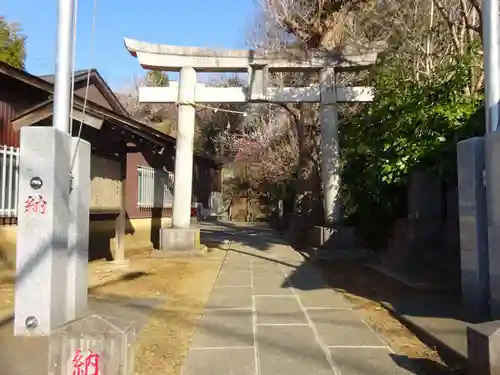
(257, 63)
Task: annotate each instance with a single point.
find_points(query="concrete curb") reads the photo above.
(448, 354)
(418, 286)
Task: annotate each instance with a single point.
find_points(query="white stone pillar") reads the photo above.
(330, 166)
(42, 230)
(78, 240)
(183, 179)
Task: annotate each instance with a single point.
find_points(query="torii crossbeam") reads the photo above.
(214, 95)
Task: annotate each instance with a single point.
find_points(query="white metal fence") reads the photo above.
(155, 189)
(9, 180)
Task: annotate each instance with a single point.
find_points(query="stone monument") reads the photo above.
(492, 176)
(473, 227)
(425, 226)
(483, 348)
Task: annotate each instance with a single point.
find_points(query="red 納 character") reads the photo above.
(88, 365)
(29, 204)
(43, 205)
(33, 205)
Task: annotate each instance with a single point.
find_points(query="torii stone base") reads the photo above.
(179, 242)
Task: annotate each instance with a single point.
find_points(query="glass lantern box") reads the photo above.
(93, 345)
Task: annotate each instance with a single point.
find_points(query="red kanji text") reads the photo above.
(35, 204)
(85, 364)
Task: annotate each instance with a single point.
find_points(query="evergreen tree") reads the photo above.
(12, 44)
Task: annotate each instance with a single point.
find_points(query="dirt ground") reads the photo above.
(364, 288)
(183, 285)
(6, 290)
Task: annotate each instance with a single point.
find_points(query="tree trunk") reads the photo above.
(307, 186)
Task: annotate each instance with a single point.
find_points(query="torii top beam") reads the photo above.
(173, 58)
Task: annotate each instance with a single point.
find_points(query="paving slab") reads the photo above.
(261, 269)
(237, 257)
(263, 257)
(267, 266)
(271, 285)
(295, 263)
(264, 260)
(289, 263)
(291, 351)
(220, 361)
(291, 258)
(240, 246)
(322, 298)
(279, 310)
(288, 316)
(368, 361)
(344, 328)
(228, 328)
(306, 277)
(230, 298)
(288, 270)
(234, 277)
(236, 266)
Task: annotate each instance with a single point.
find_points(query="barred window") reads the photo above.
(155, 187)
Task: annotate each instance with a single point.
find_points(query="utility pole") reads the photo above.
(491, 63)
(64, 65)
(78, 165)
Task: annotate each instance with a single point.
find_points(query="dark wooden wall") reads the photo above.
(15, 97)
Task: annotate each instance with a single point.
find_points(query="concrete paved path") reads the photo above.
(270, 313)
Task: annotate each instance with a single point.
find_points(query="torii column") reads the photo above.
(183, 180)
(257, 64)
(330, 163)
